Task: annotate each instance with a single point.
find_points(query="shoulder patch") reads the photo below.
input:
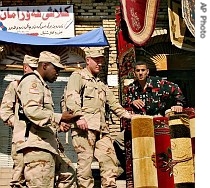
(34, 85)
(33, 89)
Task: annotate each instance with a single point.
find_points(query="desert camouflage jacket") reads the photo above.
(35, 97)
(88, 95)
(8, 104)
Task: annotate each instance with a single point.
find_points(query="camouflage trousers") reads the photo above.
(18, 179)
(46, 170)
(87, 146)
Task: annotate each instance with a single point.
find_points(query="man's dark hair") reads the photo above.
(140, 62)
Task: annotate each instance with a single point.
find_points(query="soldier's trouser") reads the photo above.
(40, 168)
(86, 146)
(18, 179)
(65, 172)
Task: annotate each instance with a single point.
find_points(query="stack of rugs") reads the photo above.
(163, 150)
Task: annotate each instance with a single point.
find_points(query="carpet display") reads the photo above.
(160, 151)
(140, 18)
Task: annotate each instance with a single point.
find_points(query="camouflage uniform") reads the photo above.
(97, 140)
(8, 116)
(42, 156)
(8, 104)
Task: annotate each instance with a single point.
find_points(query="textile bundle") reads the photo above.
(143, 146)
(191, 114)
(126, 125)
(162, 150)
(181, 147)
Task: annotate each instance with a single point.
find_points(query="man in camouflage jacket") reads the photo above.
(86, 94)
(8, 115)
(35, 131)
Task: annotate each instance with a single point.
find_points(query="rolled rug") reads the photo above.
(126, 124)
(191, 114)
(181, 147)
(129, 161)
(163, 153)
(143, 147)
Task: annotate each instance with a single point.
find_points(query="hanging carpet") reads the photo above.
(125, 52)
(188, 13)
(140, 17)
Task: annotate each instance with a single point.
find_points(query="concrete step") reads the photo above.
(5, 177)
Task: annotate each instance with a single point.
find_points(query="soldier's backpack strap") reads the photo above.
(28, 74)
(21, 113)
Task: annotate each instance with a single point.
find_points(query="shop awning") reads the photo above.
(92, 38)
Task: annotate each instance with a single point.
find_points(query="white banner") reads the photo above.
(53, 21)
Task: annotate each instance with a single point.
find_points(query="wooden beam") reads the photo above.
(20, 67)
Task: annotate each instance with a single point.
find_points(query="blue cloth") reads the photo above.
(92, 38)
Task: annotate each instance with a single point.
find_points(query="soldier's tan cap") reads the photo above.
(46, 56)
(94, 52)
(31, 61)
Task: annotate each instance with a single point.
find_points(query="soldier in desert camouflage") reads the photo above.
(46, 166)
(8, 115)
(86, 94)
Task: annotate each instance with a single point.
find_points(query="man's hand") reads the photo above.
(177, 108)
(82, 124)
(68, 117)
(64, 127)
(138, 103)
(129, 115)
(10, 121)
